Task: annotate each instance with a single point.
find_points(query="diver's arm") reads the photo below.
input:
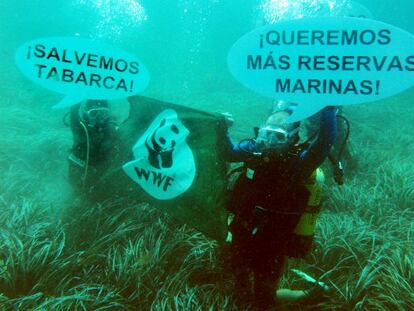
(313, 157)
(239, 152)
(232, 151)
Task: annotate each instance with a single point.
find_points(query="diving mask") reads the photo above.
(95, 113)
(270, 136)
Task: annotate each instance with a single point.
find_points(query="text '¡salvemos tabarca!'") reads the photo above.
(333, 63)
(100, 68)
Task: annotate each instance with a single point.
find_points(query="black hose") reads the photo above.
(338, 170)
(348, 130)
(85, 173)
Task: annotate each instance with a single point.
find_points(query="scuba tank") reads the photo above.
(307, 222)
(300, 243)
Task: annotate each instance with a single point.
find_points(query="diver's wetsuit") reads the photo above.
(89, 149)
(268, 200)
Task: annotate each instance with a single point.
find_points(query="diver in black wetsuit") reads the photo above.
(94, 138)
(268, 200)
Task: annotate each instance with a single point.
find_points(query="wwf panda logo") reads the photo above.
(164, 164)
(161, 144)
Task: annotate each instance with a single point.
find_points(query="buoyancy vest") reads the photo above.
(272, 183)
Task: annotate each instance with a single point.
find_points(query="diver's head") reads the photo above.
(277, 135)
(94, 112)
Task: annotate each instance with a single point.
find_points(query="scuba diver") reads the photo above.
(274, 201)
(94, 139)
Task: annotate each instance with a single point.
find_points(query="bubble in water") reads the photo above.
(115, 16)
(273, 11)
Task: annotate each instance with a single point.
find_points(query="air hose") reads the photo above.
(85, 173)
(336, 162)
(348, 129)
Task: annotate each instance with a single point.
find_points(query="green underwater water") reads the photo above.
(56, 253)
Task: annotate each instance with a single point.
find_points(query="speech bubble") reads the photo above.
(81, 69)
(324, 61)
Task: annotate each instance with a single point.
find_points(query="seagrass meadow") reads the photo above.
(60, 252)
